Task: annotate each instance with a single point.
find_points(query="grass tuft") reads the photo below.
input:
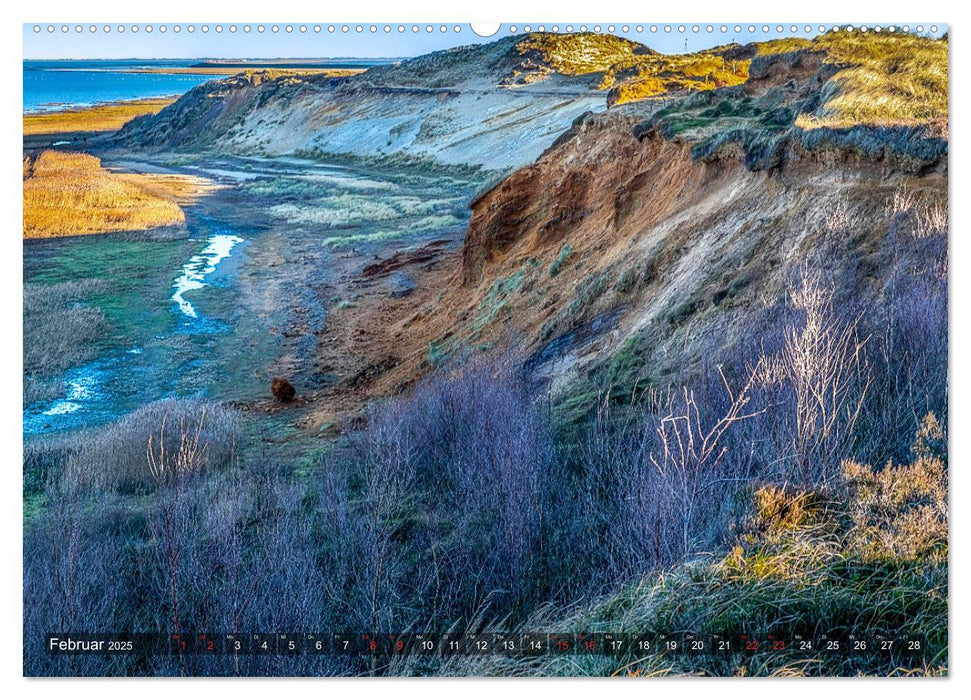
(159, 442)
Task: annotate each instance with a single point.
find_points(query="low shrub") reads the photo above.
(156, 444)
(870, 550)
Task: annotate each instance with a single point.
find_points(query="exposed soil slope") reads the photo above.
(631, 249)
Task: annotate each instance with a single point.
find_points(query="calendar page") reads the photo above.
(547, 349)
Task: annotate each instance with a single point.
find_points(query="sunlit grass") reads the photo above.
(578, 54)
(885, 79)
(644, 76)
(67, 194)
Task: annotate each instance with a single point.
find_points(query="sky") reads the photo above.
(218, 40)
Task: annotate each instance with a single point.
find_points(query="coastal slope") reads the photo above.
(494, 106)
(633, 241)
(637, 248)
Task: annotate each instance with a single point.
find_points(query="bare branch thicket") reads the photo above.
(691, 454)
(909, 325)
(659, 478)
(823, 367)
(189, 457)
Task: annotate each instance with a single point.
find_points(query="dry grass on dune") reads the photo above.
(581, 53)
(870, 79)
(68, 194)
(885, 79)
(879, 95)
(107, 117)
(643, 76)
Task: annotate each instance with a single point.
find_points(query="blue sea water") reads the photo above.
(52, 85)
(58, 84)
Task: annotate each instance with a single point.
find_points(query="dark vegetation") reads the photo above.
(813, 459)
(59, 332)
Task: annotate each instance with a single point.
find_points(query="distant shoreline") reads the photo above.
(234, 69)
(75, 125)
(65, 122)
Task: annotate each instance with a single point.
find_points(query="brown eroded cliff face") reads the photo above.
(654, 239)
(677, 248)
(595, 180)
(610, 244)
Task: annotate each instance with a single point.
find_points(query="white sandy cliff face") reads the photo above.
(495, 128)
(486, 106)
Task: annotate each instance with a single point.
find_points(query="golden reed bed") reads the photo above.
(69, 194)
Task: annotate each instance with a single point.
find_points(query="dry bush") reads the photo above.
(823, 370)
(659, 478)
(463, 468)
(901, 511)
(239, 550)
(867, 553)
(155, 445)
(908, 323)
(837, 218)
(690, 458)
(778, 508)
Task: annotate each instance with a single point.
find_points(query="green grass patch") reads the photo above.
(561, 258)
(497, 298)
